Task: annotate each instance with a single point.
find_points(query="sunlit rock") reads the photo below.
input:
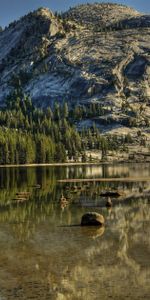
(92, 219)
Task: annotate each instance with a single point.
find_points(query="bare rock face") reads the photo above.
(101, 14)
(97, 53)
(92, 219)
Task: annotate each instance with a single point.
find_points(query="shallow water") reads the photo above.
(42, 256)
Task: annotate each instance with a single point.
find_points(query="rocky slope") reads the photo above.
(92, 53)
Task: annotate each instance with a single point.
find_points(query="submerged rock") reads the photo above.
(92, 219)
(93, 232)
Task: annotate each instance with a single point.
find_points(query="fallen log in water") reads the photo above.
(114, 194)
(19, 200)
(125, 179)
(23, 193)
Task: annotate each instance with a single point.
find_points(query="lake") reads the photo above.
(45, 255)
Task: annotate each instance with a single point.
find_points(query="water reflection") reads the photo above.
(93, 233)
(42, 256)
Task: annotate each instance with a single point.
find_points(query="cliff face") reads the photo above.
(92, 53)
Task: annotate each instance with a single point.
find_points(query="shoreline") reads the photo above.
(69, 164)
(119, 179)
(53, 164)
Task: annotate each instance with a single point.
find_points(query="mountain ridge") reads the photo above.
(65, 58)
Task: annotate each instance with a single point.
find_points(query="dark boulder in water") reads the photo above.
(92, 219)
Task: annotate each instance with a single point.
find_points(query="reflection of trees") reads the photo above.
(108, 265)
(106, 171)
(24, 217)
(51, 261)
(67, 263)
(13, 180)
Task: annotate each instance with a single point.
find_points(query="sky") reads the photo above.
(11, 10)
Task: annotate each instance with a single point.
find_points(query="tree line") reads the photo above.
(34, 135)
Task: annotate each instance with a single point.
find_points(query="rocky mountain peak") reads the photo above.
(45, 12)
(94, 53)
(101, 14)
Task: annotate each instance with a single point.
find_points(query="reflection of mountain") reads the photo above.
(40, 258)
(108, 267)
(67, 264)
(106, 170)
